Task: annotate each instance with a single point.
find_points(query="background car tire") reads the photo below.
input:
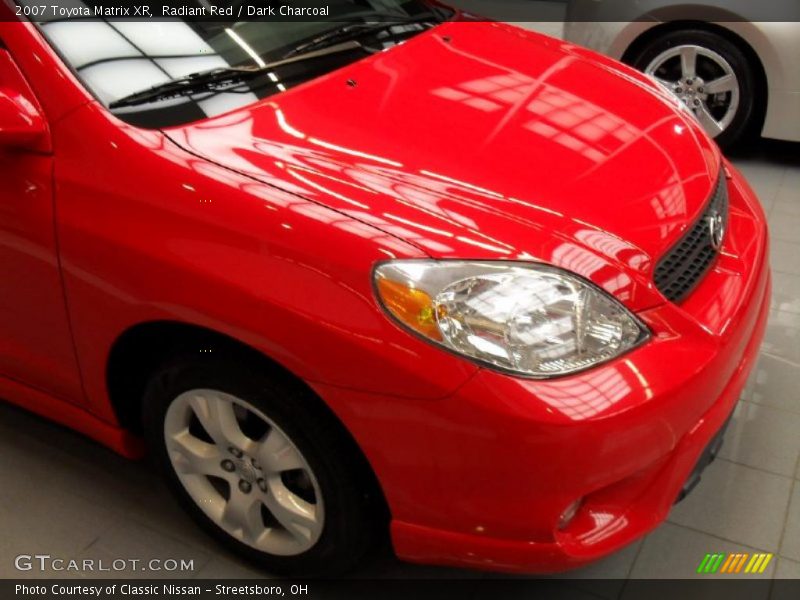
(349, 507)
(748, 114)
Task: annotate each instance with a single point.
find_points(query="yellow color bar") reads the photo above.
(765, 563)
(753, 562)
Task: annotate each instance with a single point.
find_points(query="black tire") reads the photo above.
(350, 508)
(750, 113)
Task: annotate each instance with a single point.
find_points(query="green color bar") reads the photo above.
(711, 562)
(717, 563)
(701, 568)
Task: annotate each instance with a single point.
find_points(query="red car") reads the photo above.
(484, 290)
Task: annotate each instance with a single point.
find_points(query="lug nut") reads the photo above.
(697, 102)
(245, 487)
(254, 462)
(235, 451)
(678, 90)
(262, 485)
(228, 466)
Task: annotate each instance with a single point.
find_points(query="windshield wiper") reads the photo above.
(352, 31)
(216, 79)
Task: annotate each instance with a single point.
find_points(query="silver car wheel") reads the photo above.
(703, 80)
(260, 491)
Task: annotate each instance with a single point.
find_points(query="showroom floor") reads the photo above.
(65, 496)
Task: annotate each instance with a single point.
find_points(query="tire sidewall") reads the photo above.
(344, 533)
(745, 121)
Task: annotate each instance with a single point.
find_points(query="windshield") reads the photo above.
(115, 59)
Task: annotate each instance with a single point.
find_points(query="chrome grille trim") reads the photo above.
(684, 266)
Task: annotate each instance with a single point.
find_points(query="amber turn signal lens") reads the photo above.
(411, 306)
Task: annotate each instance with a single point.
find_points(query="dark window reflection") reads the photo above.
(117, 58)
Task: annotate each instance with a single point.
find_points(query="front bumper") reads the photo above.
(483, 477)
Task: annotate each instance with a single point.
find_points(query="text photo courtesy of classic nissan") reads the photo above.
(338, 299)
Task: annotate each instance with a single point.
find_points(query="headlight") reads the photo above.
(529, 319)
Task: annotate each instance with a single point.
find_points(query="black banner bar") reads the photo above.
(461, 589)
(336, 10)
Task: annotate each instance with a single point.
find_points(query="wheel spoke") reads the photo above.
(262, 476)
(276, 453)
(243, 513)
(726, 83)
(707, 120)
(191, 455)
(218, 418)
(667, 85)
(296, 515)
(688, 62)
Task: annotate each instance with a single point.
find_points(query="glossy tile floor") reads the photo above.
(63, 495)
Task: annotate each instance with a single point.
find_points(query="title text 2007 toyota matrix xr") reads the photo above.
(404, 274)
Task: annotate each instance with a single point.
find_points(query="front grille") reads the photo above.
(689, 260)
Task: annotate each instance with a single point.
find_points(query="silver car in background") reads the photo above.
(738, 74)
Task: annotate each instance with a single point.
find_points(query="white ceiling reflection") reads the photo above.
(125, 57)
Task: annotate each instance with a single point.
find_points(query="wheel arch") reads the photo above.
(143, 348)
(646, 37)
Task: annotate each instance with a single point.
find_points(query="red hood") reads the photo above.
(481, 140)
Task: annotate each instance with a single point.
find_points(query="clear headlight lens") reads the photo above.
(530, 319)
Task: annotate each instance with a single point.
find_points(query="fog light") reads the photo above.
(569, 514)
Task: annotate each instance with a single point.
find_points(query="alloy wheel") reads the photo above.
(703, 80)
(244, 472)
